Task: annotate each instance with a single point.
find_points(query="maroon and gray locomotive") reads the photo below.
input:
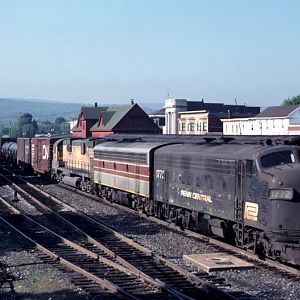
(243, 189)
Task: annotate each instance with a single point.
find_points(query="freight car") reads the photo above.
(24, 153)
(9, 152)
(42, 154)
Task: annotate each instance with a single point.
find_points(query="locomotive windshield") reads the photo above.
(278, 158)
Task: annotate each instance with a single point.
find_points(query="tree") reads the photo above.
(291, 101)
(45, 127)
(6, 130)
(24, 126)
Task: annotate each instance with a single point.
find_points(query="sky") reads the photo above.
(112, 51)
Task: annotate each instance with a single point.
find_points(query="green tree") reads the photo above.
(45, 127)
(61, 126)
(291, 101)
(5, 131)
(24, 126)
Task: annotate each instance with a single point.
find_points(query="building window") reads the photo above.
(204, 126)
(182, 126)
(192, 126)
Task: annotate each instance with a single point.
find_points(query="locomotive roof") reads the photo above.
(137, 147)
(230, 151)
(279, 139)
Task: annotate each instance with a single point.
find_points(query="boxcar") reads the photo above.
(42, 154)
(24, 152)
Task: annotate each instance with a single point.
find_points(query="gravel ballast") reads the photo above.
(162, 240)
(171, 244)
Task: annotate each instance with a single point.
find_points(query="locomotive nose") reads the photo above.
(284, 195)
(287, 178)
(284, 221)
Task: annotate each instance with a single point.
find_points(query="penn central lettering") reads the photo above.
(196, 196)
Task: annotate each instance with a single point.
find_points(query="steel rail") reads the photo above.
(102, 282)
(197, 281)
(129, 267)
(235, 250)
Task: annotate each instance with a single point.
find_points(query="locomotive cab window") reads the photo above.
(278, 158)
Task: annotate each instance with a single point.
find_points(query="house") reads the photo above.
(87, 117)
(199, 117)
(101, 121)
(274, 120)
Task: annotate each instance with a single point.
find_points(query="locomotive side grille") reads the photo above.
(201, 165)
(137, 158)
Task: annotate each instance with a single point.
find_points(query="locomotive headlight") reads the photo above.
(285, 194)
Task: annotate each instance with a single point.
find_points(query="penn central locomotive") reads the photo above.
(241, 189)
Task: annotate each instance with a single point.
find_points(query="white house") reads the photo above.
(274, 120)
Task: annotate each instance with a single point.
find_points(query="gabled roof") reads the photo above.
(277, 111)
(89, 113)
(112, 117)
(92, 112)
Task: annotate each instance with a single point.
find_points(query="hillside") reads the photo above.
(13, 108)
(47, 110)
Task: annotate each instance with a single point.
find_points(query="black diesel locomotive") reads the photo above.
(247, 193)
(244, 189)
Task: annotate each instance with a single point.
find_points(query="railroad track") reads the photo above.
(100, 270)
(283, 269)
(102, 241)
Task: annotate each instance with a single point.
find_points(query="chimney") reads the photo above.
(96, 104)
(229, 114)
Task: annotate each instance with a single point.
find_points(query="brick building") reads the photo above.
(101, 121)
